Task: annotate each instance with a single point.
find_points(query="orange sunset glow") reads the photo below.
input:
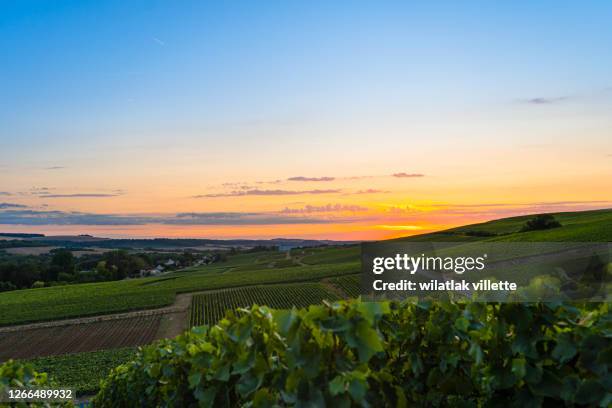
(203, 130)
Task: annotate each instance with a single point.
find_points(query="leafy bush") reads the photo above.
(17, 375)
(379, 354)
(541, 222)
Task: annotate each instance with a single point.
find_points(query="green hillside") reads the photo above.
(302, 265)
(583, 226)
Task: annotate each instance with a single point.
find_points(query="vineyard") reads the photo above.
(327, 255)
(83, 371)
(78, 338)
(379, 354)
(350, 285)
(305, 265)
(211, 307)
(303, 277)
(60, 302)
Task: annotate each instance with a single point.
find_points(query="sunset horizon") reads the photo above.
(263, 122)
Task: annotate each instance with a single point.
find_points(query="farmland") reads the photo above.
(306, 265)
(349, 284)
(82, 371)
(61, 302)
(77, 338)
(585, 226)
(210, 307)
(277, 279)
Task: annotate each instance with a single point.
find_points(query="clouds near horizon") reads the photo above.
(258, 192)
(544, 100)
(407, 175)
(4, 206)
(41, 218)
(328, 208)
(302, 178)
(80, 195)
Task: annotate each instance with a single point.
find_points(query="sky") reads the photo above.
(346, 120)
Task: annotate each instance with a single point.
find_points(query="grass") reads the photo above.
(584, 226)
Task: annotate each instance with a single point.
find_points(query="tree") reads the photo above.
(62, 261)
(541, 222)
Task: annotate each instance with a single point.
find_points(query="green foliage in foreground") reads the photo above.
(82, 371)
(17, 375)
(379, 354)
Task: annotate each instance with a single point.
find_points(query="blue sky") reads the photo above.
(72, 64)
(113, 92)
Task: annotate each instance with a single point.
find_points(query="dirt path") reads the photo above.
(174, 323)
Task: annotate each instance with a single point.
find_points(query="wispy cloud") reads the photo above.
(500, 210)
(358, 177)
(55, 168)
(302, 178)
(32, 217)
(158, 41)
(485, 205)
(80, 195)
(370, 191)
(228, 218)
(5, 193)
(278, 181)
(407, 175)
(257, 192)
(544, 100)
(4, 206)
(329, 208)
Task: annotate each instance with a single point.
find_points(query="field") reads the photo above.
(82, 371)
(278, 279)
(326, 255)
(211, 307)
(251, 269)
(69, 301)
(585, 226)
(350, 285)
(308, 265)
(77, 338)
